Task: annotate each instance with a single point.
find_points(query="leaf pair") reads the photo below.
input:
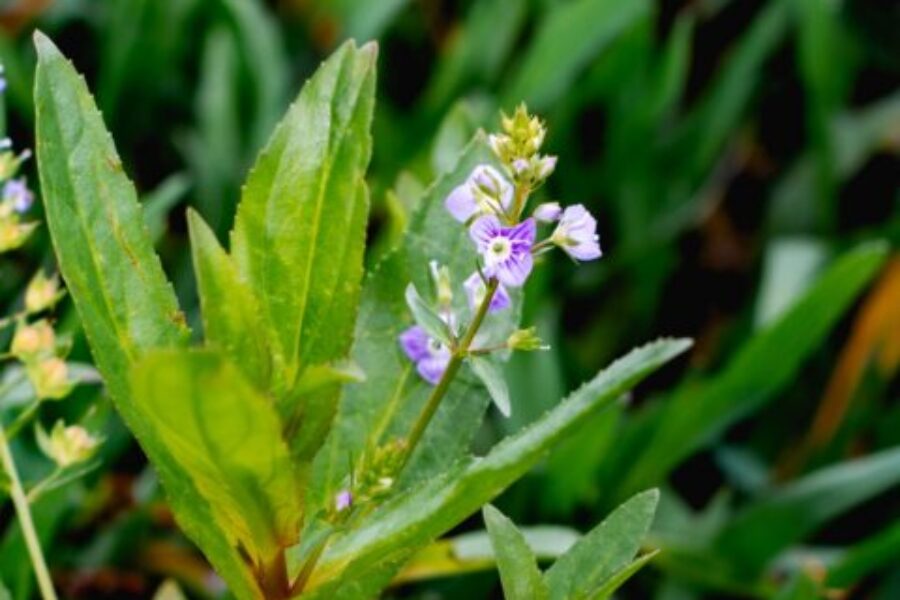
(278, 312)
(594, 568)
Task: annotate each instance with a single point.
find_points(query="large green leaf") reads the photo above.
(519, 573)
(300, 230)
(606, 550)
(700, 411)
(413, 519)
(227, 438)
(115, 279)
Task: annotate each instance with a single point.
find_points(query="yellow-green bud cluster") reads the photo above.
(519, 145)
(35, 345)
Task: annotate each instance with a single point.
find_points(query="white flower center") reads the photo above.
(499, 249)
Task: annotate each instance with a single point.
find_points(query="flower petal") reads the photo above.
(461, 203)
(525, 231)
(414, 342)
(432, 369)
(515, 270)
(483, 230)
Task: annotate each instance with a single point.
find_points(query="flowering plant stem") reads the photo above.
(440, 390)
(23, 512)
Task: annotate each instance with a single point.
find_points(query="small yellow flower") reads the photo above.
(32, 341)
(50, 378)
(67, 446)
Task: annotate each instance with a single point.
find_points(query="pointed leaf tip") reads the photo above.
(44, 45)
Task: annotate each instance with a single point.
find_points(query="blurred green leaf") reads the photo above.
(300, 231)
(757, 535)
(620, 577)
(227, 438)
(158, 203)
(789, 267)
(874, 553)
(568, 39)
(800, 587)
(106, 257)
(698, 412)
(522, 580)
(601, 554)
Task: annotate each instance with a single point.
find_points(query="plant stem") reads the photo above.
(23, 512)
(22, 420)
(456, 360)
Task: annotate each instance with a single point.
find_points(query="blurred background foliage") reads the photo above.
(744, 159)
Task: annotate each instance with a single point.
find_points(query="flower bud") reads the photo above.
(548, 212)
(440, 276)
(31, 341)
(50, 378)
(67, 446)
(525, 340)
(343, 500)
(42, 292)
(13, 234)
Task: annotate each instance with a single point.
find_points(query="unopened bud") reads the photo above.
(67, 446)
(50, 378)
(525, 340)
(42, 292)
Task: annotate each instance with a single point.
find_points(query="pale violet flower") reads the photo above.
(546, 166)
(485, 191)
(16, 192)
(520, 165)
(475, 290)
(343, 500)
(577, 234)
(506, 250)
(547, 212)
(429, 355)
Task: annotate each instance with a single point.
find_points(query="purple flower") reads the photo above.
(577, 234)
(343, 500)
(547, 212)
(429, 355)
(506, 250)
(17, 192)
(475, 290)
(547, 165)
(485, 190)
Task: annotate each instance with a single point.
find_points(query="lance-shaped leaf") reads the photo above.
(231, 318)
(300, 228)
(490, 374)
(116, 281)
(604, 552)
(411, 520)
(227, 438)
(516, 562)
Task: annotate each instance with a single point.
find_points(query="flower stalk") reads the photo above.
(23, 512)
(456, 359)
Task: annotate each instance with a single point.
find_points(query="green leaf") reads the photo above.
(426, 316)
(300, 228)
(489, 373)
(116, 281)
(603, 552)
(519, 573)
(876, 552)
(767, 527)
(618, 579)
(567, 40)
(227, 438)
(231, 316)
(698, 412)
(386, 406)
(413, 519)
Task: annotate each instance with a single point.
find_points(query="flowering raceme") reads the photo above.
(491, 203)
